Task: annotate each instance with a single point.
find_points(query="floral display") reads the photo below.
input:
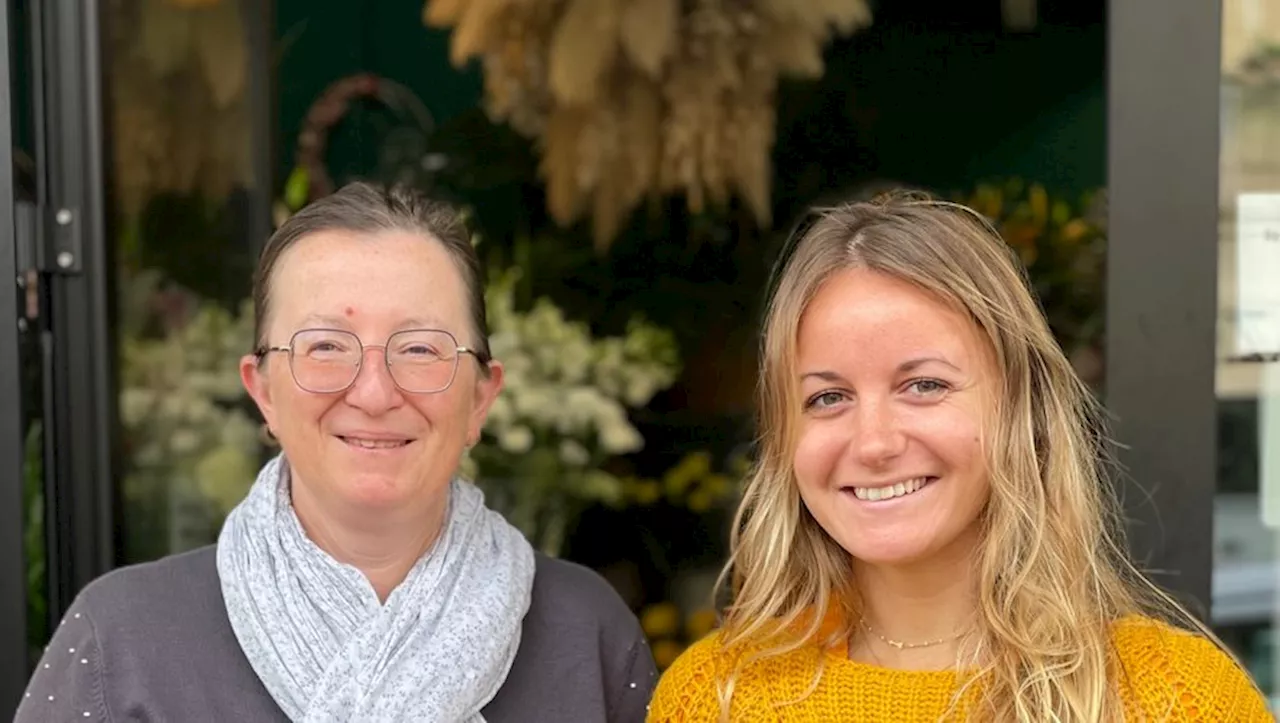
(192, 443)
(179, 71)
(670, 630)
(626, 99)
(1062, 242)
(691, 484)
(562, 415)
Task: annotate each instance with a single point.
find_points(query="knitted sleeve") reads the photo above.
(687, 690)
(1179, 676)
(68, 682)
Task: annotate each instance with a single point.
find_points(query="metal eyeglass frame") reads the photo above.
(480, 357)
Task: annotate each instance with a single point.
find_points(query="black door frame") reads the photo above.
(71, 253)
(1163, 76)
(60, 237)
(63, 236)
(13, 577)
(73, 257)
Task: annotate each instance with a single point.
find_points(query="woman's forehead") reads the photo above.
(865, 314)
(396, 278)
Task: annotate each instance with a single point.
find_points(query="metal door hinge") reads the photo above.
(48, 239)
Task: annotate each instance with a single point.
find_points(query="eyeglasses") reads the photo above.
(327, 361)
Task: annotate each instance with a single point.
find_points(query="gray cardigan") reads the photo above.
(152, 642)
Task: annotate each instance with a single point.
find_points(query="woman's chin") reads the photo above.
(890, 557)
(905, 550)
(395, 483)
(377, 491)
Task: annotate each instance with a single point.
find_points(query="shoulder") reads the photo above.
(1168, 671)
(690, 689)
(574, 608)
(197, 567)
(146, 615)
(582, 652)
(122, 630)
(1152, 648)
(569, 593)
(182, 585)
(697, 669)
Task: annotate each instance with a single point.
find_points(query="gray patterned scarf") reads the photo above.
(314, 631)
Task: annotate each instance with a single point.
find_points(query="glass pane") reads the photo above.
(184, 196)
(30, 333)
(1247, 505)
(33, 492)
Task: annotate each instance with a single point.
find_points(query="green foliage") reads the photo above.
(1062, 243)
(33, 538)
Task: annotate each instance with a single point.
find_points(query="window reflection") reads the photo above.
(1246, 545)
(182, 182)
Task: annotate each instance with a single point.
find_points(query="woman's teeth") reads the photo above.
(872, 494)
(375, 443)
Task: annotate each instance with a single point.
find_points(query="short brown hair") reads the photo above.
(364, 207)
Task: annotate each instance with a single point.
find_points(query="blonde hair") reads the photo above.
(1052, 574)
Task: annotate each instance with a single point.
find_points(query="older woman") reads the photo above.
(360, 579)
(927, 535)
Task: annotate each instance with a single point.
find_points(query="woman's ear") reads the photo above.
(253, 375)
(487, 388)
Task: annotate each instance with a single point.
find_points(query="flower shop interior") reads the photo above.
(628, 192)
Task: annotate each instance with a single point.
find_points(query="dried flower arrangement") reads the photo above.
(644, 97)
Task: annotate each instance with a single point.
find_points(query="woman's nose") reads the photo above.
(374, 390)
(878, 436)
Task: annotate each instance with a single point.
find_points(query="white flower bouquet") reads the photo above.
(562, 415)
(190, 444)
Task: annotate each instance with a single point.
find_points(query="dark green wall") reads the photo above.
(944, 107)
(962, 105)
(320, 41)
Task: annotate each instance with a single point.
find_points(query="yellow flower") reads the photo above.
(692, 467)
(716, 485)
(1022, 237)
(700, 623)
(1039, 200)
(988, 201)
(1074, 230)
(699, 501)
(646, 492)
(660, 619)
(665, 652)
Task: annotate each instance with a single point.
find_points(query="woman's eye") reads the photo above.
(927, 387)
(825, 399)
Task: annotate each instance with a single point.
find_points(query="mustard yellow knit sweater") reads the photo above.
(1170, 675)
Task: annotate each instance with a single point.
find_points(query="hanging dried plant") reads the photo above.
(179, 112)
(634, 97)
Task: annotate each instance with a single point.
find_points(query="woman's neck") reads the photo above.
(384, 546)
(913, 616)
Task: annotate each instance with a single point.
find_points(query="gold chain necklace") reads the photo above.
(906, 646)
